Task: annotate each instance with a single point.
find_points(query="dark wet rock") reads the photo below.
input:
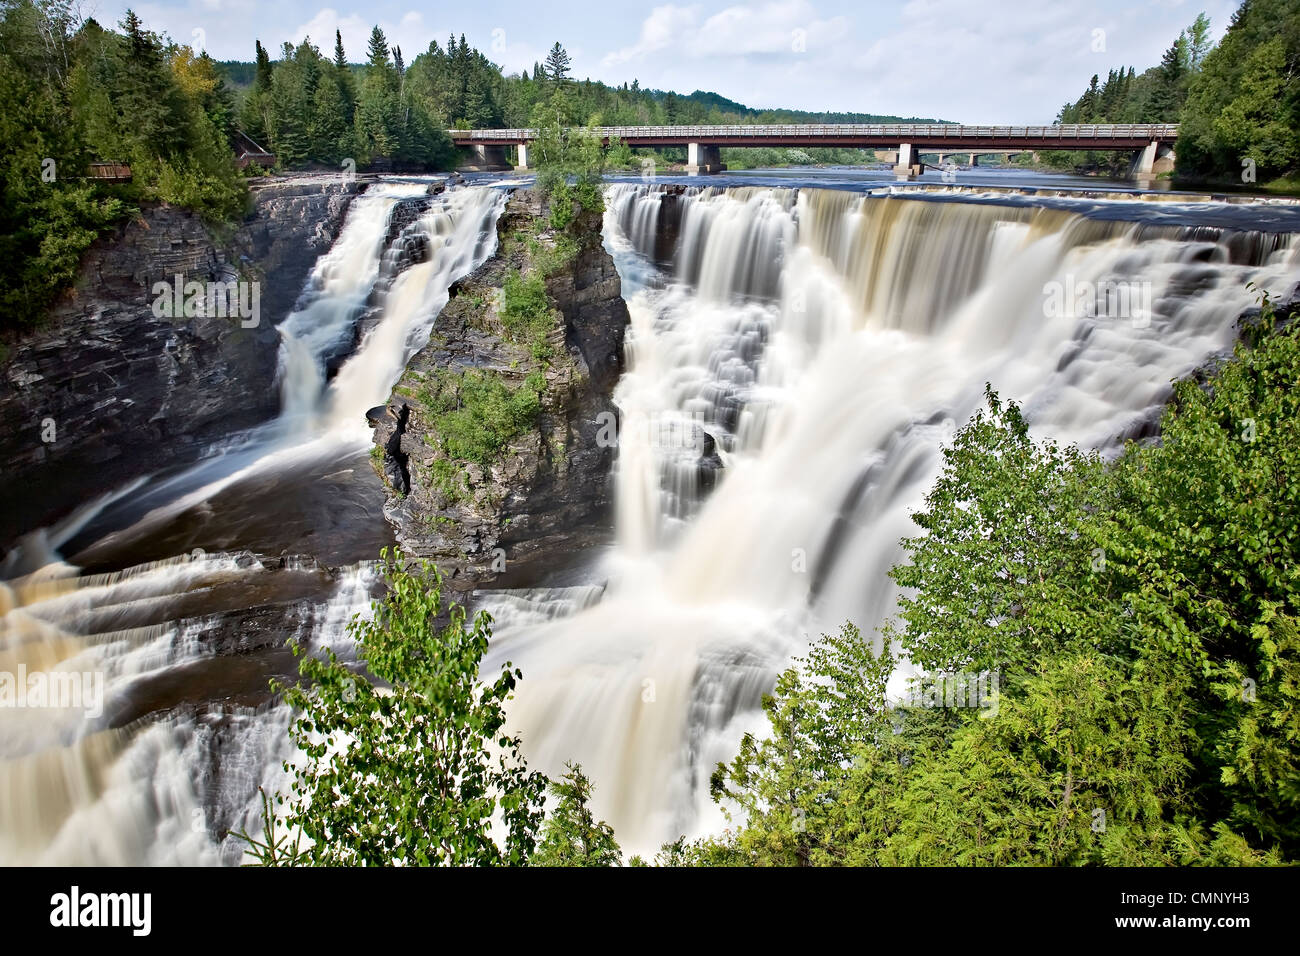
(123, 391)
(405, 214)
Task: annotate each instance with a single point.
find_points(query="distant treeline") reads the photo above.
(700, 107)
(309, 109)
(1238, 102)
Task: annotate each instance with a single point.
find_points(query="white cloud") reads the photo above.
(783, 28)
(949, 59)
(410, 32)
(660, 30)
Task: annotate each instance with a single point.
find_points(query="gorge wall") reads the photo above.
(123, 392)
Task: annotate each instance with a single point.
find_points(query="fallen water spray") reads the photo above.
(186, 735)
(829, 343)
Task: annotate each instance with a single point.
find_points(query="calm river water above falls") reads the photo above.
(826, 328)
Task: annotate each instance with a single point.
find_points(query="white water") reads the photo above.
(339, 286)
(121, 789)
(825, 343)
(830, 343)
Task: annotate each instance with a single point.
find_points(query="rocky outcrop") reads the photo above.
(549, 491)
(108, 390)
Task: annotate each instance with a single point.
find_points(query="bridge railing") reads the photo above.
(901, 132)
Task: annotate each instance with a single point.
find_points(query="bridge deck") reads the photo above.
(921, 136)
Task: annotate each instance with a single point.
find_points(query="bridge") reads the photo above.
(1152, 144)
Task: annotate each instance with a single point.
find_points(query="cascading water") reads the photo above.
(336, 295)
(826, 344)
(116, 783)
(795, 360)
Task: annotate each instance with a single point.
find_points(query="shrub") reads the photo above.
(476, 414)
(526, 312)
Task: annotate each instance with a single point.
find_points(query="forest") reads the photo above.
(1237, 102)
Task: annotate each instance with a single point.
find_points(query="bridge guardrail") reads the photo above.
(901, 132)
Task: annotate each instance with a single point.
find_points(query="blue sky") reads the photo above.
(977, 61)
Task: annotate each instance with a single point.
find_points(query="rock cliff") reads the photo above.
(548, 489)
(107, 390)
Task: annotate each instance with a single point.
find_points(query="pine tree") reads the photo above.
(1169, 88)
(1088, 103)
(1198, 41)
(378, 120)
(151, 109)
(262, 78)
(557, 64)
(293, 98)
(670, 108)
(347, 94)
(377, 51)
(572, 836)
(330, 131)
(340, 58)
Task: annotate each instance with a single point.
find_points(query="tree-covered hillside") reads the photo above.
(1242, 110)
(1238, 103)
(457, 87)
(73, 94)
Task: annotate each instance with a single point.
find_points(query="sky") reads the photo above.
(972, 61)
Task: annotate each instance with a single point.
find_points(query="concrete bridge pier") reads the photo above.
(974, 160)
(521, 166)
(487, 158)
(701, 158)
(909, 162)
(1155, 159)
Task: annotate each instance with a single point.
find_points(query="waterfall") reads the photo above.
(828, 343)
(795, 361)
(453, 232)
(455, 236)
(178, 651)
(130, 788)
(337, 290)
